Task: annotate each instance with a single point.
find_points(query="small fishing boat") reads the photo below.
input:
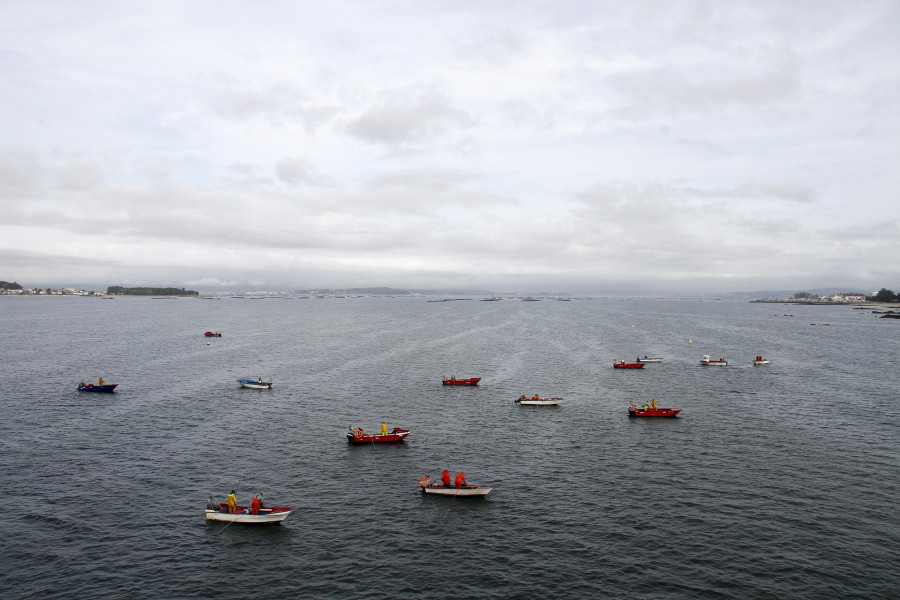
(100, 387)
(759, 360)
(465, 491)
(707, 361)
(634, 411)
(255, 384)
(624, 365)
(649, 359)
(359, 436)
(244, 516)
(455, 381)
(537, 401)
(211, 334)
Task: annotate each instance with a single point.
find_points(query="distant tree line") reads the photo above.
(5, 285)
(150, 291)
(883, 295)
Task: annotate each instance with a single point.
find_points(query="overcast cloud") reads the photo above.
(591, 147)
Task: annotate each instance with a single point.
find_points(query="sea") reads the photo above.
(777, 481)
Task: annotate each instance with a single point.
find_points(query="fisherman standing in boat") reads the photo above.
(101, 382)
(461, 480)
(232, 502)
(445, 478)
(254, 506)
(653, 404)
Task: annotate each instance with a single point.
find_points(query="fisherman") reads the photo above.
(260, 381)
(101, 381)
(445, 478)
(384, 429)
(461, 480)
(232, 502)
(646, 406)
(654, 404)
(254, 506)
(759, 358)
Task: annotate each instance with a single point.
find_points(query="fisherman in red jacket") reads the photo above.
(254, 506)
(445, 478)
(460, 480)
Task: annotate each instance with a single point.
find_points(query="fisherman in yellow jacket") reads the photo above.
(384, 429)
(232, 502)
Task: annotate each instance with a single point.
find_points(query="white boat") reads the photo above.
(759, 360)
(256, 384)
(466, 490)
(713, 362)
(244, 517)
(538, 401)
(647, 359)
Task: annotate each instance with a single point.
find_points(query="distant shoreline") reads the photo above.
(824, 303)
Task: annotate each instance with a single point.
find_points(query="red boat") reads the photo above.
(211, 334)
(625, 365)
(455, 381)
(634, 411)
(358, 436)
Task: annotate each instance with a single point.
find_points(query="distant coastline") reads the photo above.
(829, 303)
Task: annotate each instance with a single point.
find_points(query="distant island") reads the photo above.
(149, 291)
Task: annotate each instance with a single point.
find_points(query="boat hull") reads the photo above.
(395, 436)
(470, 381)
(542, 402)
(628, 365)
(708, 361)
(658, 413)
(648, 359)
(255, 384)
(243, 516)
(467, 491)
(108, 388)
(761, 362)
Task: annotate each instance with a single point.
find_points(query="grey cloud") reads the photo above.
(275, 104)
(81, 173)
(399, 124)
(673, 89)
(21, 172)
(296, 171)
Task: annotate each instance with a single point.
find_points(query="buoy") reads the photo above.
(690, 341)
(207, 343)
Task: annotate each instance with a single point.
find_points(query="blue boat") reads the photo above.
(90, 387)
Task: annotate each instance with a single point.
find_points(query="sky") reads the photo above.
(589, 147)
